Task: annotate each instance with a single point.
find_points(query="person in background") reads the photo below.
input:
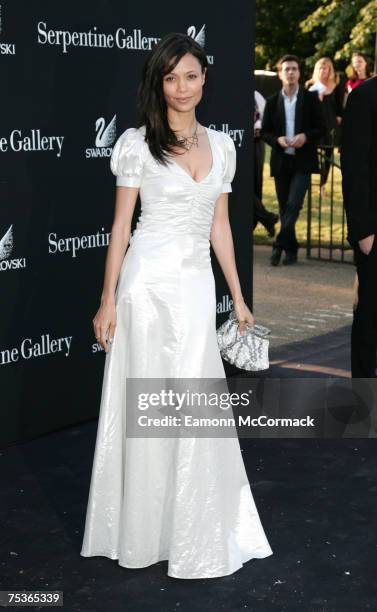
(293, 123)
(361, 71)
(324, 82)
(359, 183)
(261, 214)
(259, 147)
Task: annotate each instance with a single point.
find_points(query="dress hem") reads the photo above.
(115, 557)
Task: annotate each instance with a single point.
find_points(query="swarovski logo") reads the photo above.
(6, 244)
(97, 348)
(5, 48)
(105, 136)
(6, 247)
(200, 38)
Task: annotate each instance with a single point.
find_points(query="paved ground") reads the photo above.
(302, 301)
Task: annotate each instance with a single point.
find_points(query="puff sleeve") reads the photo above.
(127, 158)
(229, 163)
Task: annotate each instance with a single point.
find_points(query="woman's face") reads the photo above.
(359, 65)
(183, 86)
(323, 71)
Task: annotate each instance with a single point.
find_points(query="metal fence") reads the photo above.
(326, 221)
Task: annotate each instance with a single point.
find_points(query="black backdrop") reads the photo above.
(62, 84)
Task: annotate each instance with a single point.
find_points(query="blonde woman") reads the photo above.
(324, 81)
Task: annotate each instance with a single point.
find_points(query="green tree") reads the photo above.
(278, 31)
(343, 27)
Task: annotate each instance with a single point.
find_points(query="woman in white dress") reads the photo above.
(185, 500)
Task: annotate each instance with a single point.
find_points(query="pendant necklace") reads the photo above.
(189, 141)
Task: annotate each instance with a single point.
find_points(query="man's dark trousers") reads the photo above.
(291, 187)
(364, 326)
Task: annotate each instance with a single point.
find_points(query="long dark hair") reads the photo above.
(152, 106)
(368, 68)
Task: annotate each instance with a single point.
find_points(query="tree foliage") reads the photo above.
(314, 28)
(278, 32)
(344, 26)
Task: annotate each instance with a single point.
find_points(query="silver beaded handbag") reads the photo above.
(248, 351)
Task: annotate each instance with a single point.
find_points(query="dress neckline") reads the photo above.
(212, 166)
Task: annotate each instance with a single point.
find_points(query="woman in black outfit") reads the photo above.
(324, 82)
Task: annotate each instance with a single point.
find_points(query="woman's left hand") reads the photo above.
(243, 314)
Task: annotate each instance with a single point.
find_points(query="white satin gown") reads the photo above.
(185, 500)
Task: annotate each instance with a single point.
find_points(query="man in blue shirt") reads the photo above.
(293, 122)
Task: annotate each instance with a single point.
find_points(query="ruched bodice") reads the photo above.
(171, 200)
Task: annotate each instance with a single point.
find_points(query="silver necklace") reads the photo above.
(189, 141)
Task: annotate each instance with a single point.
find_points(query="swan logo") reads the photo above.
(5, 48)
(200, 38)
(105, 136)
(6, 247)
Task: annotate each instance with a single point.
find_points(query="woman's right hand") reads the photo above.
(104, 324)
